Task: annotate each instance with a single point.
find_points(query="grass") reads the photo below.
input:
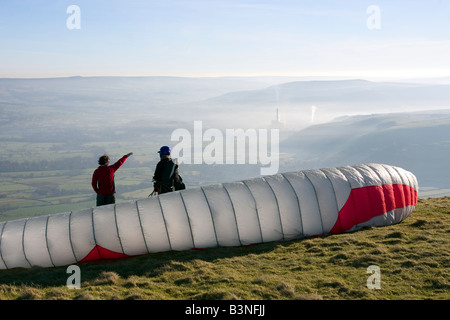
(413, 257)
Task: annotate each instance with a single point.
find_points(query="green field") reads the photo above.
(413, 257)
(46, 178)
(27, 194)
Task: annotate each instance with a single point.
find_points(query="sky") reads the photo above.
(346, 38)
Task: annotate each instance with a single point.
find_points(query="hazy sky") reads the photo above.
(401, 38)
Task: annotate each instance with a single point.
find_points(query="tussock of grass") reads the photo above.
(413, 257)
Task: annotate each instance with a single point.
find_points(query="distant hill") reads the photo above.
(418, 142)
(341, 90)
(330, 98)
(376, 121)
(441, 80)
(127, 90)
(222, 101)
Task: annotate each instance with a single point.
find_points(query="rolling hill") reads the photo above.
(418, 142)
(223, 101)
(330, 98)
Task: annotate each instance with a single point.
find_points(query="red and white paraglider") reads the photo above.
(271, 208)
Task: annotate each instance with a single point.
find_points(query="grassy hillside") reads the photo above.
(413, 258)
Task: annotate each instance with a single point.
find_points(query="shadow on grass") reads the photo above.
(149, 265)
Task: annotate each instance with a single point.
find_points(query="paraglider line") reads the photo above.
(234, 212)
(385, 191)
(353, 201)
(408, 175)
(46, 240)
(165, 224)
(335, 196)
(140, 224)
(93, 234)
(1, 238)
(370, 207)
(117, 229)
(317, 198)
(404, 200)
(189, 220)
(212, 218)
(278, 206)
(70, 236)
(402, 194)
(396, 211)
(298, 202)
(256, 210)
(23, 242)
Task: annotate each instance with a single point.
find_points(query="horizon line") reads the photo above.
(305, 76)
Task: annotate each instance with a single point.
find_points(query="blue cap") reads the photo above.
(164, 150)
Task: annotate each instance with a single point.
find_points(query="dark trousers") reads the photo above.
(105, 199)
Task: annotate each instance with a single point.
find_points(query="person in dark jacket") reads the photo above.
(103, 179)
(166, 177)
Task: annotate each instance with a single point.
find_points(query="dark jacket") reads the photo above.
(166, 175)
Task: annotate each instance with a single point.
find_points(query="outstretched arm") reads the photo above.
(120, 162)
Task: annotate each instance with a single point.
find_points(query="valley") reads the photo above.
(52, 131)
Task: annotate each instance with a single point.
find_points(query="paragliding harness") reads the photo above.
(173, 182)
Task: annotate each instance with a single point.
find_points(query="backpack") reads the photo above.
(178, 183)
(171, 179)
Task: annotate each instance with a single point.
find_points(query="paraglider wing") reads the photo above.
(285, 206)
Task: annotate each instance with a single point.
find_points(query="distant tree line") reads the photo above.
(72, 163)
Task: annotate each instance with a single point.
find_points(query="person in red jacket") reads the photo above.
(103, 179)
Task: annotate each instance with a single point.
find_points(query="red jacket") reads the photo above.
(103, 177)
